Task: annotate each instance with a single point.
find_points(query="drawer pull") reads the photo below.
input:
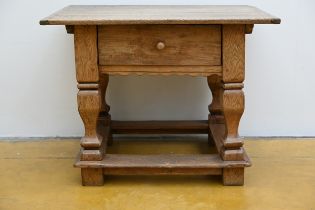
(160, 45)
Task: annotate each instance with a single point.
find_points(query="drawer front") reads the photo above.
(159, 45)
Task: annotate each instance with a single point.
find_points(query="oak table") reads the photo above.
(206, 41)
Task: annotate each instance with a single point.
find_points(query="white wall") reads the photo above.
(38, 87)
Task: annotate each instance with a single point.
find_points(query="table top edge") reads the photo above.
(177, 14)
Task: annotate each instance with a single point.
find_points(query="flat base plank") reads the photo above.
(233, 176)
(92, 177)
(158, 127)
(162, 171)
(162, 164)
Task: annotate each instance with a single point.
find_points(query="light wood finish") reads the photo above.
(162, 70)
(167, 14)
(104, 116)
(104, 127)
(160, 45)
(233, 154)
(85, 44)
(91, 154)
(159, 127)
(94, 147)
(232, 86)
(233, 49)
(161, 40)
(89, 96)
(92, 176)
(89, 105)
(163, 161)
(233, 108)
(160, 170)
(136, 45)
(214, 83)
(97, 152)
(104, 79)
(88, 86)
(215, 108)
(233, 176)
(217, 132)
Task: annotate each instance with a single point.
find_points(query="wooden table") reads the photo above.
(206, 41)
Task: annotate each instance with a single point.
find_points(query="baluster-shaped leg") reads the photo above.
(233, 48)
(105, 118)
(215, 108)
(233, 108)
(89, 100)
(89, 104)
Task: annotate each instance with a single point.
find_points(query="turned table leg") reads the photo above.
(232, 99)
(89, 104)
(233, 108)
(89, 101)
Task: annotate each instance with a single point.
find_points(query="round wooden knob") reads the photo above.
(160, 45)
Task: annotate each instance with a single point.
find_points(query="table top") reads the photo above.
(166, 14)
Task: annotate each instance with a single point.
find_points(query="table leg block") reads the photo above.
(92, 176)
(233, 176)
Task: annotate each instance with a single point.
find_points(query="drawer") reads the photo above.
(159, 45)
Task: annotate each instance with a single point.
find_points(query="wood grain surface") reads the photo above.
(161, 40)
(160, 127)
(138, 45)
(162, 70)
(85, 45)
(89, 105)
(167, 14)
(92, 176)
(233, 176)
(233, 50)
(162, 161)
